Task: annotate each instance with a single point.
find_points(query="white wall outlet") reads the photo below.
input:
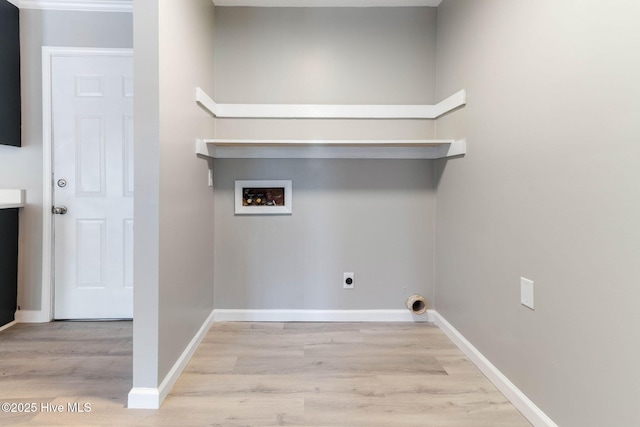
(526, 292)
(348, 281)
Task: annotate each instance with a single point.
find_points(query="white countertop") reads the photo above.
(12, 199)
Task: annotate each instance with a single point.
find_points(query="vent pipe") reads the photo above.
(417, 304)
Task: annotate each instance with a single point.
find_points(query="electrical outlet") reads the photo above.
(526, 292)
(348, 281)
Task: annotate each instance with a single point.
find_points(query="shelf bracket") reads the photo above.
(207, 152)
(204, 150)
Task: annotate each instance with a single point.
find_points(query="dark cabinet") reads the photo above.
(8, 265)
(10, 118)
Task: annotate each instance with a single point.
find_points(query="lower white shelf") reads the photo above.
(330, 149)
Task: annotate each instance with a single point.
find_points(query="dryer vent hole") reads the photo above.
(417, 306)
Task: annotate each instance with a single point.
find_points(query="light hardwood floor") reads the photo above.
(255, 374)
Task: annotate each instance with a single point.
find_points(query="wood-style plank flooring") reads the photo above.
(254, 374)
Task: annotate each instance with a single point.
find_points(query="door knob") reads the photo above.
(59, 210)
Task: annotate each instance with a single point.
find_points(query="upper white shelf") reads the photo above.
(313, 111)
(330, 149)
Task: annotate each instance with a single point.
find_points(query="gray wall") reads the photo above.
(375, 218)
(22, 167)
(371, 217)
(174, 44)
(325, 56)
(549, 190)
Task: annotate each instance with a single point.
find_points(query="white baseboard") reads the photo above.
(144, 398)
(31, 316)
(7, 326)
(502, 383)
(152, 398)
(226, 315)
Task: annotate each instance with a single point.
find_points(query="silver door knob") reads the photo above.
(59, 210)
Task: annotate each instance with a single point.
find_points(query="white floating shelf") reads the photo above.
(330, 149)
(314, 111)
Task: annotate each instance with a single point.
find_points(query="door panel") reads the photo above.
(90, 165)
(92, 109)
(90, 253)
(127, 154)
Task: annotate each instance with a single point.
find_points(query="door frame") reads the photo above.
(46, 313)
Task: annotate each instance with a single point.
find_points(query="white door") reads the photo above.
(92, 116)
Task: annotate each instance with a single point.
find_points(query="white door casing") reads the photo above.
(92, 146)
